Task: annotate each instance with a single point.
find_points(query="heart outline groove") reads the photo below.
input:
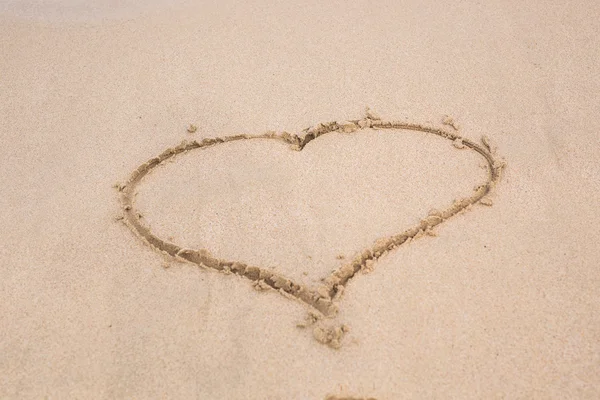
(323, 299)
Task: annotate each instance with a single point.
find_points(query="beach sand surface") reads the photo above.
(498, 302)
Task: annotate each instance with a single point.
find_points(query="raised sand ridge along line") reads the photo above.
(322, 300)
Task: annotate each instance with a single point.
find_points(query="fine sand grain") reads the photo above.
(196, 203)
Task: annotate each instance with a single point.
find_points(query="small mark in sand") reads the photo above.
(458, 143)
(192, 128)
(331, 336)
(261, 286)
(448, 120)
(310, 319)
(368, 266)
(486, 201)
(344, 397)
(372, 114)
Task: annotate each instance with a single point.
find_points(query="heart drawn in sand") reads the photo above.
(322, 300)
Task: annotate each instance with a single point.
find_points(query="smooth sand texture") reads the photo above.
(502, 303)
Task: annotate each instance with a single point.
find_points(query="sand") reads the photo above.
(452, 253)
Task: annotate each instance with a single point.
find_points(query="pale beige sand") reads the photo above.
(503, 303)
